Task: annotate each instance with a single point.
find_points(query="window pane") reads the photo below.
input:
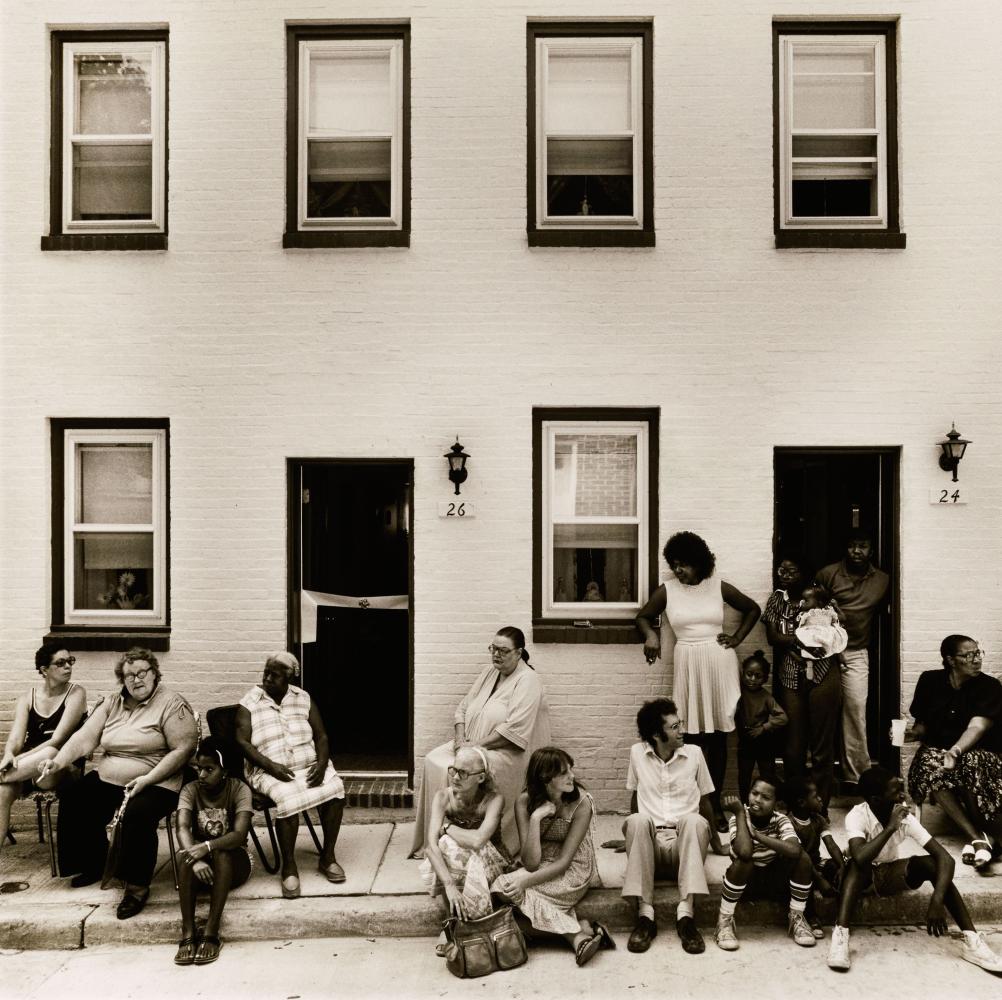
(113, 572)
(595, 562)
(115, 484)
(833, 59)
(828, 102)
(589, 177)
(834, 145)
(350, 92)
(113, 94)
(589, 94)
(595, 475)
(348, 179)
(112, 182)
(833, 197)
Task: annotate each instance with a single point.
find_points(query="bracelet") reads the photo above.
(208, 846)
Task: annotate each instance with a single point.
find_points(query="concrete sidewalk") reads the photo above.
(382, 896)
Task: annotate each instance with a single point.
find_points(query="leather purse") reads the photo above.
(114, 830)
(485, 945)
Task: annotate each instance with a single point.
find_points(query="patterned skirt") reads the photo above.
(472, 871)
(978, 772)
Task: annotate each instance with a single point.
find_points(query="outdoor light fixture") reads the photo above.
(953, 451)
(457, 464)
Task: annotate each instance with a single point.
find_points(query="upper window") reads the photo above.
(590, 167)
(836, 136)
(108, 184)
(110, 526)
(349, 138)
(595, 524)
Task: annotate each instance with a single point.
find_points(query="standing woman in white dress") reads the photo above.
(706, 687)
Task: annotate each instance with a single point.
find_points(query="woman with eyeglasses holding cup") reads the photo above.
(147, 733)
(44, 719)
(506, 714)
(958, 720)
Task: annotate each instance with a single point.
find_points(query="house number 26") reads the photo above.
(456, 508)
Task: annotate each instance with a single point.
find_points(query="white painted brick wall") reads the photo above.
(257, 354)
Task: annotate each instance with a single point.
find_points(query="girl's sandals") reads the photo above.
(982, 853)
(185, 951)
(967, 854)
(208, 950)
(586, 949)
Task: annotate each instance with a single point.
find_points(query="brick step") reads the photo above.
(378, 792)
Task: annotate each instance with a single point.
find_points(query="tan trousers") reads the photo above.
(676, 854)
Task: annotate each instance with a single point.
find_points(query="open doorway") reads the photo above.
(820, 494)
(350, 605)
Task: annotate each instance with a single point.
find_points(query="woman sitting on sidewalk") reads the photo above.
(464, 851)
(213, 817)
(556, 829)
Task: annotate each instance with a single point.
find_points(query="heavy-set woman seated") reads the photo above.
(282, 736)
(505, 713)
(147, 733)
(958, 720)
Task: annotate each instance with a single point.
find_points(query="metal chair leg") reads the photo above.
(53, 863)
(169, 824)
(270, 867)
(313, 832)
(11, 837)
(38, 818)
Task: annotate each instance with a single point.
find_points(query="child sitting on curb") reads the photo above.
(767, 857)
(876, 829)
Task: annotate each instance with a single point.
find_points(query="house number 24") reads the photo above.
(938, 495)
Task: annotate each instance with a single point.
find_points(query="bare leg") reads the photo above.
(948, 801)
(330, 819)
(923, 869)
(286, 830)
(186, 892)
(8, 793)
(854, 882)
(222, 879)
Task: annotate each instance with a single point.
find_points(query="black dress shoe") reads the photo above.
(131, 904)
(688, 932)
(84, 878)
(643, 934)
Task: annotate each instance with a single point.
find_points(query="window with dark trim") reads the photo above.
(590, 169)
(348, 136)
(835, 134)
(594, 521)
(110, 533)
(108, 149)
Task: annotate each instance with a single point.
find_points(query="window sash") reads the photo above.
(608, 608)
(156, 51)
(834, 167)
(306, 134)
(73, 441)
(590, 46)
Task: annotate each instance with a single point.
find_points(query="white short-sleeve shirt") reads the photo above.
(861, 822)
(668, 789)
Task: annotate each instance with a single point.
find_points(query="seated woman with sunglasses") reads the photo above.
(44, 719)
(147, 733)
(958, 720)
(504, 713)
(463, 851)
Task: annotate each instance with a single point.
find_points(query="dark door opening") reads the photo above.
(351, 574)
(819, 495)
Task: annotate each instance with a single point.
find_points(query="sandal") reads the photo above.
(185, 951)
(586, 949)
(605, 938)
(967, 854)
(290, 887)
(982, 854)
(208, 950)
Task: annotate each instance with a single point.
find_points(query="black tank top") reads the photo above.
(41, 728)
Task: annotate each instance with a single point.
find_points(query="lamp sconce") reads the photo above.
(457, 464)
(953, 451)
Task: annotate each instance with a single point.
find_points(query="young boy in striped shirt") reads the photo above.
(767, 857)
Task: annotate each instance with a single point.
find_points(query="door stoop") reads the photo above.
(377, 791)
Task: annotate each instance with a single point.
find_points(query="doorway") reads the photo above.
(351, 605)
(819, 495)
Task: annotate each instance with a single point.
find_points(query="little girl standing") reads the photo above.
(758, 717)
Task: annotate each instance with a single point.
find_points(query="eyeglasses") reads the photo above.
(458, 772)
(971, 654)
(138, 677)
(64, 661)
(500, 650)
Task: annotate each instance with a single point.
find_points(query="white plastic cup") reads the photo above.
(898, 727)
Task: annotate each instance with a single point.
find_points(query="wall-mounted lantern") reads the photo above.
(953, 451)
(457, 464)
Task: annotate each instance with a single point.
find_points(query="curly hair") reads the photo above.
(137, 653)
(650, 715)
(873, 782)
(690, 550)
(544, 765)
(45, 654)
(950, 645)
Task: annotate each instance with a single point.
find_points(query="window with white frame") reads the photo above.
(836, 133)
(591, 164)
(595, 531)
(351, 134)
(114, 526)
(112, 155)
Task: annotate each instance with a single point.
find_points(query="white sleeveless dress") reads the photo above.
(706, 674)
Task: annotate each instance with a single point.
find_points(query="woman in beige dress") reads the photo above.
(505, 713)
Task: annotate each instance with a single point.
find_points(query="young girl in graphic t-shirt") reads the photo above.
(214, 816)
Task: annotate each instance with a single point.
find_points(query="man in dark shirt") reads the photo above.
(859, 589)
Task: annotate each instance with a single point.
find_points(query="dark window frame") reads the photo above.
(102, 637)
(56, 239)
(294, 237)
(607, 630)
(890, 238)
(604, 237)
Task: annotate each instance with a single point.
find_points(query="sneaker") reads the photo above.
(800, 930)
(816, 929)
(726, 934)
(838, 953)
(976, 951)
